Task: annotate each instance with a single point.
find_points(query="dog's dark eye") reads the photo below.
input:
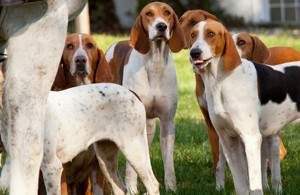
(193, 23)
(70, 46)
(89, 45)
(167, 13)
(193, 35)
(241, 42)
(210, 34)
(149, 14)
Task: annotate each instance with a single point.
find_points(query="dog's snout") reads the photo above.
(161, 27)
(80, 60)
(195, 53)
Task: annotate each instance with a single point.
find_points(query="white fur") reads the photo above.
(235, 111)
(35, 43)
(153, 31)
(234, 36)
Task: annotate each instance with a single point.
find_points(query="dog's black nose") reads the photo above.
(195, 53)
(80, 60)
(161, 27)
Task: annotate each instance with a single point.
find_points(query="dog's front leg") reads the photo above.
(252, 144)
(221, 169)
(34, 53)
(5, 174)
(167, 138)
(233, 151)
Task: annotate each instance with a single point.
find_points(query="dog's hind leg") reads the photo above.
(264, 157)
(140, 161)
(167, 139)
(107, 155)
(275, 163)
(52, 170)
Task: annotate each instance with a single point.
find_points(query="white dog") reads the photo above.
(108, 115)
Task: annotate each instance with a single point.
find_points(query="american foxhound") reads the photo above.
(35, 34)
(83, 63)
(246, 101)
(188, 20)
(106, 114)
(147, 68)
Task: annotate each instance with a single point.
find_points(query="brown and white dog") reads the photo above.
(188, 20)
(246, 101)
(253, 49)
(83, 63)
(145, 66)
(259, 53)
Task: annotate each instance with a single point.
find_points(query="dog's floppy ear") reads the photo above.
(139, 40)
(208, 15)
(102, 73)
(177, 41)
(60, 78)
(260, 52)
(232, 58)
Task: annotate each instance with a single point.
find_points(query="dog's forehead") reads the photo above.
(72, 38)
(213, 26)
(245, 37)
(85, 38)
(157, 9)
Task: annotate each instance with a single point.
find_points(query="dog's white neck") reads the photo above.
(157, 59)
(214, 69)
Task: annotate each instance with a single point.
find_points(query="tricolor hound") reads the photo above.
(147, 68)
(246, 101)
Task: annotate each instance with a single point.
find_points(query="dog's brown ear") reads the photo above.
(102, 73)
(260, 52)
(177, 41)
(60, 78)
(232, 58)
(209, 16)
(139, 40)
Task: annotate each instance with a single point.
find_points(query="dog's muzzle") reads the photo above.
(195, 55)
(80, 65)
(161, 31)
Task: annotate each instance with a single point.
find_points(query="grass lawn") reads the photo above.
(192, 156)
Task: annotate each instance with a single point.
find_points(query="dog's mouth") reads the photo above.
(159, 37)
(81, 73)
(200, 63)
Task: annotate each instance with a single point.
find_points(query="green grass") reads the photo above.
(192, 155)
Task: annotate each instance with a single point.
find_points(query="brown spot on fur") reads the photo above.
(120, 58)
(49, 185)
